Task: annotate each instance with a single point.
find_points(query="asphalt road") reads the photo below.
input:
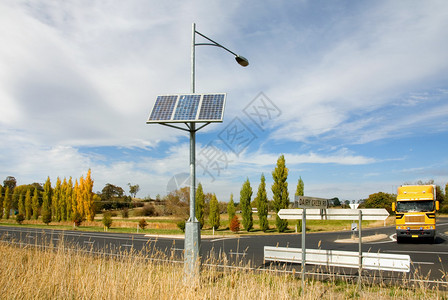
(427, 260)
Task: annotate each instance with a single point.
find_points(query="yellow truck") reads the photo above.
(415, 210)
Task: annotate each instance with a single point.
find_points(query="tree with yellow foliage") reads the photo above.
(89, 209)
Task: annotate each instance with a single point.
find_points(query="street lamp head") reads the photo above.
(242, 61)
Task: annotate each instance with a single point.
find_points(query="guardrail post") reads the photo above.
(303, 248)
(360, 249)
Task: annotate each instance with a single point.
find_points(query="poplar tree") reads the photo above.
(200, 205)
(46, 203)
(89, 209)
(68, 199)
(214, 217)
(63, 201)
(21, 204)
(80, 198)
(75, 199)
(7, 203)
(446, 193)
(1, 201)
(28, 204)
(280, 191)
(35, 204)
(300, 191)
(246, 209)
(56, 201)
(262, 202)
(231, 208)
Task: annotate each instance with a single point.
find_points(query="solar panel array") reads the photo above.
(188, 108)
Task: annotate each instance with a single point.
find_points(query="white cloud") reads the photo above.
(76, 76)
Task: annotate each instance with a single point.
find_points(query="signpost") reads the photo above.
(304, 203)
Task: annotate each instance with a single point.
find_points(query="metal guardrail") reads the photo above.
(335, 258)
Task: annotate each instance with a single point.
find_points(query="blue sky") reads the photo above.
(353, 93)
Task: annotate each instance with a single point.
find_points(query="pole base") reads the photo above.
(192, 246)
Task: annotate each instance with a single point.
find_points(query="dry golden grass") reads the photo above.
(32, 273)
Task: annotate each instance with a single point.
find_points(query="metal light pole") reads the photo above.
(192, 226)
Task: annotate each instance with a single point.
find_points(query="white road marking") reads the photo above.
(418, 252)
(237, 253)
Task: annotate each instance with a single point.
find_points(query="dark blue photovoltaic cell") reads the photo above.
(212, 107)
(187, 107)
(163, 108)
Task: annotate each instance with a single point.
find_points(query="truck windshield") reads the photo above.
(415, 206)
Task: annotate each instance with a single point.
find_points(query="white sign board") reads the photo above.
(368, 214)
(311, 202)
(354, 205)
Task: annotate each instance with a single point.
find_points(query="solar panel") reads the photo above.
(188, 108)
(163, 108)
(212, 107)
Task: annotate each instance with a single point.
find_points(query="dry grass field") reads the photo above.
(61, 273)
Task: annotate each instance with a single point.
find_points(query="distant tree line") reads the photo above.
(62, 202)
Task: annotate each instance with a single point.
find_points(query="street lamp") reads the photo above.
(192, 226)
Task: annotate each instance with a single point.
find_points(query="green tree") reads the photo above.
(28, 208)
(21, 205)
(56, 201)
(200, 205)
(214, 217)
(10, 182)
(262, 201)
(280, 191)
(1, 201)
(231, 208)
(107, 220)
(69, 199)
(246, 209)
(380, 200)
(300, 190)
(133, 189)
(62, 209)
(7, 203)
(35, 204)
(46, 204)
(446, 193)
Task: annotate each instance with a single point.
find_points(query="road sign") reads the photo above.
(311, 202)
(368, 214)
(354, 205)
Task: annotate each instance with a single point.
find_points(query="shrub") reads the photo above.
(235, 224)
(46, 217)
(107, 220)
(125, 213)
(20, 218)
(77, 219)
(181, 225)
(149, 210)
(142, 223)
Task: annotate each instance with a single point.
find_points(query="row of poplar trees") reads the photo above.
(62, 202)
(280, 198)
